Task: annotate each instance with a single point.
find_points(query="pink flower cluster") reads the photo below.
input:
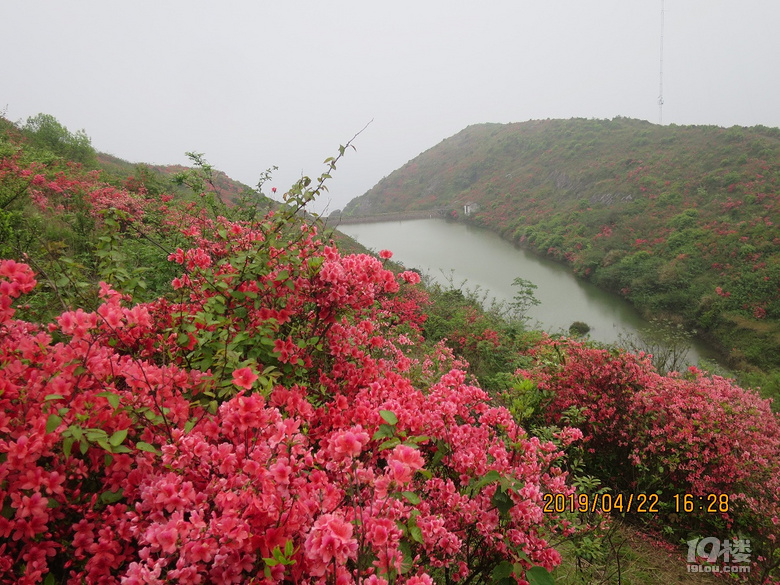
(117, 467)
(15, 280)
(702, 434)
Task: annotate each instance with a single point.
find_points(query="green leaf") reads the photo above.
(489, 477)
(383, 432)
(183, 340)
(502, 571)
(52, 423)
(539, 576)
(96, 435)
(406, 551)
(411, 497)
(113, 399)
(53, 397)
(8, 512)
(67, 445)
(118, 437)
(50, 580)
(112, 497)
(389, 417)
(390, 443)
(510, 483)
(502, 501)
(442, 449)
(416, 534)
(141, 446)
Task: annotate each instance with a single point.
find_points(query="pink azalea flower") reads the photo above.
(329, 540)
(244, 378)
(410, 276)
(349, 443)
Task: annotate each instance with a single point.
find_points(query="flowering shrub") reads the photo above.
(267, 422)
(690, 434)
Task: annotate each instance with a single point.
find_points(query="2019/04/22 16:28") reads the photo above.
(634, 503)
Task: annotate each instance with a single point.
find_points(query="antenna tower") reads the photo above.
(661, 84)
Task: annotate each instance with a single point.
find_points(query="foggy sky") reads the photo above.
(258, 83)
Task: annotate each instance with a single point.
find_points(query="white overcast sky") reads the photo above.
(258, 83)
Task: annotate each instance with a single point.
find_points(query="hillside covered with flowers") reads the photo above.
(195, 392)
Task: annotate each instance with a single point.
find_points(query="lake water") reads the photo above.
(451, 252)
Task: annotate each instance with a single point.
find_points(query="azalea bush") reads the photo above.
(672, 435)
(271, 419)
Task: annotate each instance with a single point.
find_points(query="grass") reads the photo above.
(632, 558)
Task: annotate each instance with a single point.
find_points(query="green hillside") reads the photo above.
(57, 194)
(47, 140)
(681, 220)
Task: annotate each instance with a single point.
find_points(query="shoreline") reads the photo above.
(382, 217)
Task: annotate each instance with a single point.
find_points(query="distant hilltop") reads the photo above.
(602, 161)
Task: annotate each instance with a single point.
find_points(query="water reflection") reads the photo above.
(456, 252)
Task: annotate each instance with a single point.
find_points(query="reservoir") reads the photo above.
(461, 254)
